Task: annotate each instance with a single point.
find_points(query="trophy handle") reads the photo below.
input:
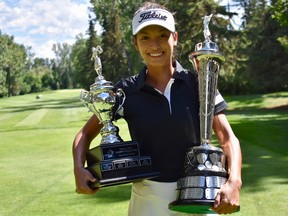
(121, 94)
(85, 98)
(194, 61)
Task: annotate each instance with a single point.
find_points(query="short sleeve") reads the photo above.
(220, 103)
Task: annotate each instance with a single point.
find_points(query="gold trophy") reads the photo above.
(205, 166)
(113, 161)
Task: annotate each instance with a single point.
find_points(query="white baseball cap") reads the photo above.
(148, 17)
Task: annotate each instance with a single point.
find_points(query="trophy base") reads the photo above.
(112, 151)
(195, 206)
(122, 180)
(121, 171)
(118, 163)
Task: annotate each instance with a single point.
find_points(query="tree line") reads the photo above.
(256, 51)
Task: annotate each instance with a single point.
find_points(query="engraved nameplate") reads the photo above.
(192, 193)
(144, 161)
(120, 164)
(133, 163)
(210, 193)
(194, 181)
(215, 181)
(120, 151)
(107, 166)
(125, 163)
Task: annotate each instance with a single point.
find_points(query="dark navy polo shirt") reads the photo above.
(163, 134)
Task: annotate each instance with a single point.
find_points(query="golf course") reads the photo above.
(36, 167)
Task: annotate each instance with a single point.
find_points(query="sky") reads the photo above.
(42, 23)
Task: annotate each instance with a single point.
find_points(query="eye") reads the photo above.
(144, 37)
(165, 35)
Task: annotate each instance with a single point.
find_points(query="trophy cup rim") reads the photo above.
(206, 147)
(208, 50)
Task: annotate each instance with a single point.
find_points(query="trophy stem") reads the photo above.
(109, 133)
(208, 77)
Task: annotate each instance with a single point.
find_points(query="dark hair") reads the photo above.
(150, 5)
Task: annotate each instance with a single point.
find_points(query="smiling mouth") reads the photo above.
(156, 54)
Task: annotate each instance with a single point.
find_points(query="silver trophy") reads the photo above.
(101, 100)
(205, 166)
(113, 161)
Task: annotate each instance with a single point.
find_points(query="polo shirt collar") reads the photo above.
(178, 74)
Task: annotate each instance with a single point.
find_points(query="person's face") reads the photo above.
(156, 44)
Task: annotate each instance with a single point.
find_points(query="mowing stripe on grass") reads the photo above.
(72, 114)
(6, 116)
(33, 118)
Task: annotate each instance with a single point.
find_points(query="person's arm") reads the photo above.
(80, 147)
(228, 198)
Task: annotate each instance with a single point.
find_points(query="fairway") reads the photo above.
(36, 166)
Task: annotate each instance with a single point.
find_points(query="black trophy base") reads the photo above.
(112, 151)
(118, 180)
(118, 163)
(194, 206)
(123, 173)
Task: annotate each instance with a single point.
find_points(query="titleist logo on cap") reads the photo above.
(152, 15)
(149, 17)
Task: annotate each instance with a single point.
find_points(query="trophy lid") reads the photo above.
(101, 84)
(207, 48)
(206, 148)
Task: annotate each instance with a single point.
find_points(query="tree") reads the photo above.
(109, 15)
(266, 58)
(32, 82)
(12, 65)
(79, 61)
(280, 12)
(93, 41)
(81, 56)
(62, 65)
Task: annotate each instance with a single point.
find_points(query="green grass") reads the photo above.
(261, 122)
(36, 172)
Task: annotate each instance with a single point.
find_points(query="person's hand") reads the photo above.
(227, 200)
(82, 179)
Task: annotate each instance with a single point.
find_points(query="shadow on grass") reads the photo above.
(111, 194)
(260, 163)
(282, 109)
(263, 137)
(251, 102)
(260, 167)
(51, 104)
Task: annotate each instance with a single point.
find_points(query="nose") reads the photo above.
(155, 43)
